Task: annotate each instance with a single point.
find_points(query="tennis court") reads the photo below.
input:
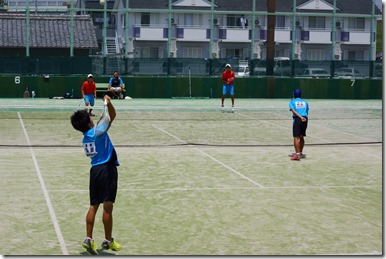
(196, 181)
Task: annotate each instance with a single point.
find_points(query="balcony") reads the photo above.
(149, 33)
(227, 34)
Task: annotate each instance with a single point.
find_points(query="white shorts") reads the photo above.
(116, 88)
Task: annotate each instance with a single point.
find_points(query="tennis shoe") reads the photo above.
(295, 157)
(222, 108)
(111, 245)
(90, 246)
(302, 155)
(233, 109)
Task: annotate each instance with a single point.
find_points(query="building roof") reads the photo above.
(47, 31)
(345, 6)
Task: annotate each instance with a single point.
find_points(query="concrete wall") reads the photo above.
(167, 87)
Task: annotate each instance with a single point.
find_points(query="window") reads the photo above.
(317, 23)
(149, 52)
(316, 54)
(145, 19)
(233, 20)
(192, 52)
(355, 55)
(356, 24)
(280, 21)
(188, 19)
(234, 53)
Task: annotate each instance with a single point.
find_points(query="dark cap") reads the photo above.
(297, 93)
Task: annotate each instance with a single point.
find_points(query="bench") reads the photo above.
(101, 89)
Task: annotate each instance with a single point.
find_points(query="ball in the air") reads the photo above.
(101, 2)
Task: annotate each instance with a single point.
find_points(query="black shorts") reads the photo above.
(103, 183)
(299, 128)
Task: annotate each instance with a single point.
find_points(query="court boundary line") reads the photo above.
(316, 122)
(234, 188)
(277, 125)
(212, 158)
(45, 191)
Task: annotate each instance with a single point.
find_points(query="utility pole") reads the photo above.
(271, 6)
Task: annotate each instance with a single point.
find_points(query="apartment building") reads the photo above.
(229, 28)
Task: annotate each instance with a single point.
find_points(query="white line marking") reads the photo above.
(214, 159)
(312, 136)
(229, 168)
(45, 192)
(171, 135)
(232, 188)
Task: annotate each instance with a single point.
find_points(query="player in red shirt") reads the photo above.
(228, 87)
(89, 92)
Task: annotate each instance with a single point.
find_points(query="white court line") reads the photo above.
(234, 188)
(214, 159)
(45, 192)
(317, 124)
(312, 136)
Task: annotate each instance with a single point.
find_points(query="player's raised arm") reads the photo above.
(110, 108)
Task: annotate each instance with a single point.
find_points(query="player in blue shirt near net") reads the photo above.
(299, 109)
(103, 173)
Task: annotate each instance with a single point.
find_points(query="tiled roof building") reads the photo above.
(47, 31)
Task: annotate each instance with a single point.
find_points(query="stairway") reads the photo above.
(113, 62)
(111, 45)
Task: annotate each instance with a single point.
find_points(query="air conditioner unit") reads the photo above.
(297, 23)
(172, 54)
(214, 55)
(215, 21)
(172, 20)
(337, 24)
(257, 22)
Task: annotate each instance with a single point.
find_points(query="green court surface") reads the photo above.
(197, 181)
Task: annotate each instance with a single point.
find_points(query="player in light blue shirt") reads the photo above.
(299, 108)
(103, 174)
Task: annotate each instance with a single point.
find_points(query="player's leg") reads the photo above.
(301, 144)
(86, 102)
(109, 242)
(296, 135)
(110, 179)
(107, 219)
(120, 93)
(88, 243)
(297, 145)
(224, 91)
(232, 93)
(302, 135)
(90, 219)
(92, 102)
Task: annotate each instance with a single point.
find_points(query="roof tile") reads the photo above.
(51, 31)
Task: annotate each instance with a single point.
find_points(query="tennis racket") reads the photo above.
(26, 93)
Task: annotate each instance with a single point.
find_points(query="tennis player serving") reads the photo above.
(103, 173)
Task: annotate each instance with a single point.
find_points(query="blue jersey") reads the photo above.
(97, 144)
(115, 81)
(300, 106)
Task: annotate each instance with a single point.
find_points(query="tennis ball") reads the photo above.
(102, 2)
